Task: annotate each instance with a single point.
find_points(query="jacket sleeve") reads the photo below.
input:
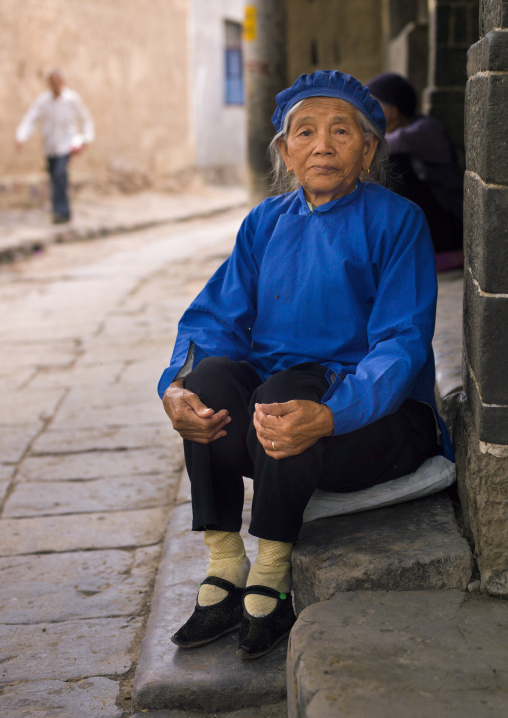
(219, 320)
(399, 330)
(85, 118)
(28, 124)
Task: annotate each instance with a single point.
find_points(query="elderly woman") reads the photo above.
(306, 361)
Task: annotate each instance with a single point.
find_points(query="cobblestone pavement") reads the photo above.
(88, 462)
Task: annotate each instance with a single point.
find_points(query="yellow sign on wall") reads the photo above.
(250, 25)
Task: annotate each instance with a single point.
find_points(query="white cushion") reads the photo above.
(433, 475)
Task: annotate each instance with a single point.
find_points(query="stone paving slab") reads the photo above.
(87, 698)
(447, 341)
(99, 464)
(17, 355)
(411, 546)
(278, 710)
(112, 494)
(85, 531)
(210, 678)
(15, 440)
(447, 344)
(138, 371)
(91, 647)
(133, 415)
(17, 409)
(106, 349)
(87, 375)
(83, 584)
(96, 397)
(105, 438)
(45, 330)
(13, 380)
(4, 485)
(6, 472)
(399, 654)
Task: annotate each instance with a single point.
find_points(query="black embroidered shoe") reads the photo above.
(258, 635)
(210, 622)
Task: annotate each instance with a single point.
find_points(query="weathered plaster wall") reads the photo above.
(127, 60)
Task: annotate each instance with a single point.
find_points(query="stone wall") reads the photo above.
(340, 35)
(406, 31)
(128, 61)
(482, 427)
(453, 28)
(486, 233)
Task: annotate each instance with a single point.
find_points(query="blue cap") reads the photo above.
(329, 83)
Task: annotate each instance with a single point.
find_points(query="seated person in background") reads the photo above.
(424, 165)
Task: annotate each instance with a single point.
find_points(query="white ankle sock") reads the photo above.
(227, 561)
(272, 568)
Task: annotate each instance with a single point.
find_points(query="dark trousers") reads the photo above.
(57, 168)
(386, 449)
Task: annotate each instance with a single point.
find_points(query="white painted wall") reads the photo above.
(219, 129)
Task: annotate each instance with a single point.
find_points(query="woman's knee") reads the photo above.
(220, 381)
(276, 388)
(305, 382)
(210, 372)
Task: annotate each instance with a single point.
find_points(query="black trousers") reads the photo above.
(386, 449)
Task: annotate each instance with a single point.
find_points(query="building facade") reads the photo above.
(131, 66)
(217, 93)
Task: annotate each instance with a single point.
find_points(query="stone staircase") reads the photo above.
(383, 608)
(412, 546)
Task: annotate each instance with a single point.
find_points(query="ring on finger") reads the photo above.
(274, 447)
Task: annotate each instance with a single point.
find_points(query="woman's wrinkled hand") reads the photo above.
(292, 426)
(191, 418)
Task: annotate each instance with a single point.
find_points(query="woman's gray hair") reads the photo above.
(284, 182)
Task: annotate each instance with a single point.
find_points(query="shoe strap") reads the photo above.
(264, 591)
(219, 582)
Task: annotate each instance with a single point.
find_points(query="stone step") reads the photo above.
(397, 654)
(279, 710)
(414, 545)
(410, 546)
(210, 678)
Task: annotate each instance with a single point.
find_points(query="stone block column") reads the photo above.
(453, 27)
(481, 431)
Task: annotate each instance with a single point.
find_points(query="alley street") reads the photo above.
(89, 464)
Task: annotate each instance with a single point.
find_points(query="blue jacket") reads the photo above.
(350, 285)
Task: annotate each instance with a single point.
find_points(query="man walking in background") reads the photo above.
(58, 112)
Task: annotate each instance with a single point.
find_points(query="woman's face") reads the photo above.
(326, 148)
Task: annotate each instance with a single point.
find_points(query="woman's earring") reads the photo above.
(288, 171)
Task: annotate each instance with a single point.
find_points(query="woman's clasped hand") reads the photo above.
(191, 418)
(290, 427)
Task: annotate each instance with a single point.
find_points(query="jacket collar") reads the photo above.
(323, 208)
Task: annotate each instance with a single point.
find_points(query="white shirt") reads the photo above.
(59, 119)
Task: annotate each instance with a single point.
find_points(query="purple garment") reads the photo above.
(424, 139)
(433, 159)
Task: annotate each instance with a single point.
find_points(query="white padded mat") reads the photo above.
(432, 476)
